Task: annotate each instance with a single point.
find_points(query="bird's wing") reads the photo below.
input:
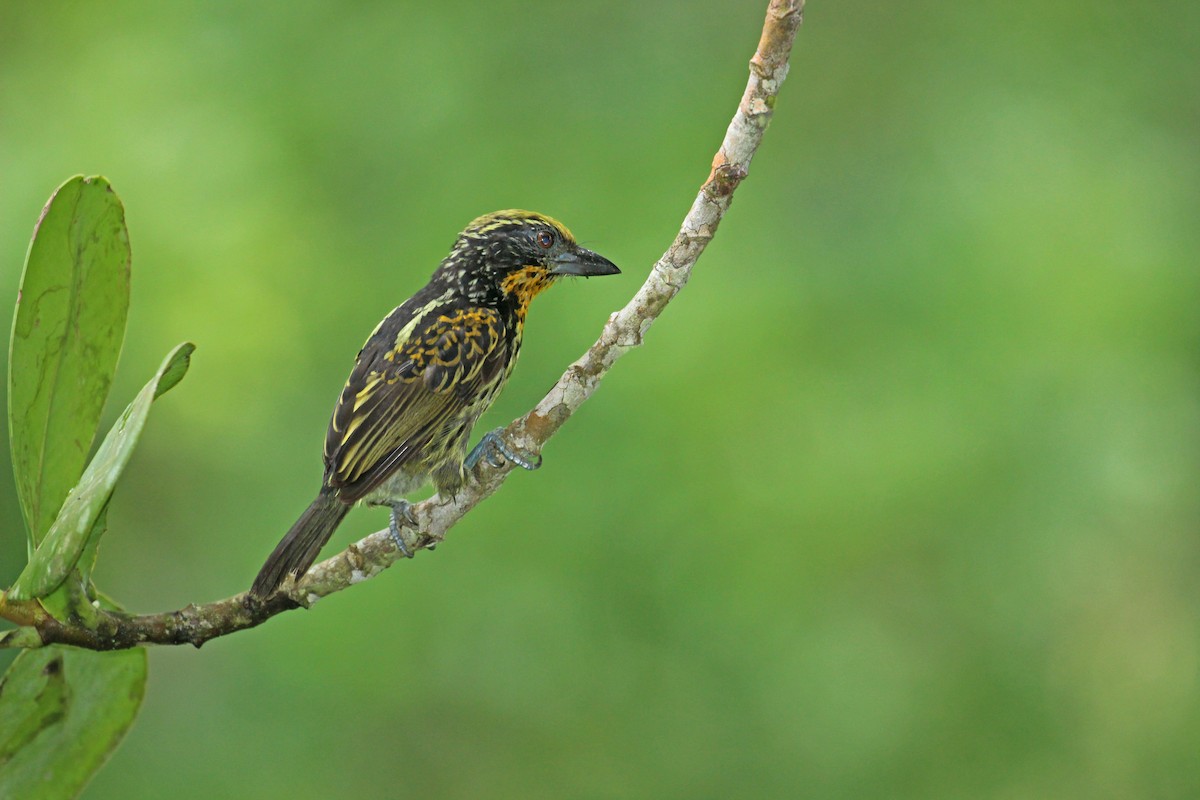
(405, 400)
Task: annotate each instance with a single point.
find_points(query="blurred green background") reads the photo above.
(899, 500)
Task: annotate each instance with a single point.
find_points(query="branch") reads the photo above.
(624, 331)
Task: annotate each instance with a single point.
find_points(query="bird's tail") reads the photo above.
(299, 547)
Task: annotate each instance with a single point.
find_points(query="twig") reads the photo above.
(624, 331)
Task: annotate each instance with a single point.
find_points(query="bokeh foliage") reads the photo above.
(897, 501)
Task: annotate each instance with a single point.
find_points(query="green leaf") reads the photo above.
(66, 337)
(76, 524)
(33, 696)
(62, 712)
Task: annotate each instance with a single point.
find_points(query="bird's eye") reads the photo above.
(545, 239)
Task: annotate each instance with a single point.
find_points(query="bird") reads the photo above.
(426, 374)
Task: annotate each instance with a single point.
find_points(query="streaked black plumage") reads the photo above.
(426, 375)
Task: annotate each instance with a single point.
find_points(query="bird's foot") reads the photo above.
(493, 450)
(402, 517)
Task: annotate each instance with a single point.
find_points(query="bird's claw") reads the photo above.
(493, 449)
(402, 517)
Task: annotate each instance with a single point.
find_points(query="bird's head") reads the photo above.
(517, 254)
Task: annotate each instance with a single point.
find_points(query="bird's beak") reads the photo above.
(583, 262)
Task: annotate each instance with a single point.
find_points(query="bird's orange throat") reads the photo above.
(525, 284)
